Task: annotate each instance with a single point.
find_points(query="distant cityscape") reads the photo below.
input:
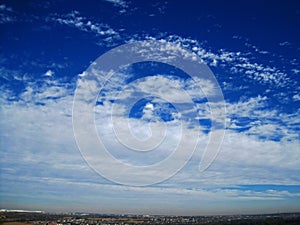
(24, 217)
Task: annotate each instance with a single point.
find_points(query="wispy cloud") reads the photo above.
(285, 43)
(120, 3)
(7, 15)
(74, 19)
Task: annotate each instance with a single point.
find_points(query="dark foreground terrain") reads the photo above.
(26, 218)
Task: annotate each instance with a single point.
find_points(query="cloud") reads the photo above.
(74, 19)
(49, 73)
(193, 200)
(296, 97)
(253, 116)
(240, 63)
(26, 118)
(119, 3)
(285, 43)
(295, 71)
(7, 15)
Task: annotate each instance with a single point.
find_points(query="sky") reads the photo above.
(150, 107)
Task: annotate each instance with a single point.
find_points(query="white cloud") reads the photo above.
(49, 73)
(3, 7)
(119, 3)
(238, 62)
(296, 97)
(7, 14)
(285, 43)
(74, 19)
(259, 120)
(51, 122)
(295, 71)
(47, 92)
(245, 160)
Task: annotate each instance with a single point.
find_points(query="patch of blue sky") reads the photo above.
(162, 110)
(152, 68)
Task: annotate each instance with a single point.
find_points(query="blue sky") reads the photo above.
(251, 47)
